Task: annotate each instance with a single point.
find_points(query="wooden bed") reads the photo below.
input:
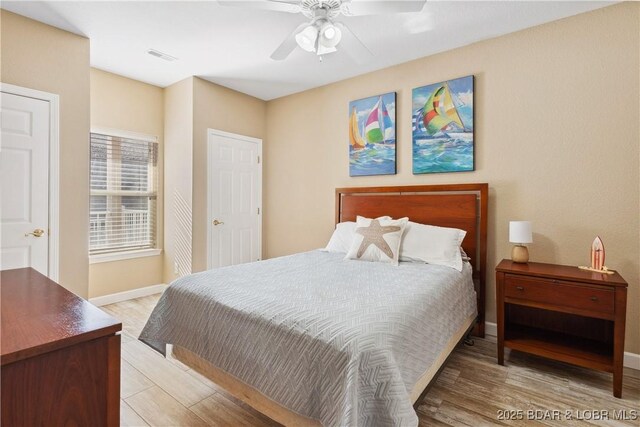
(462, 206)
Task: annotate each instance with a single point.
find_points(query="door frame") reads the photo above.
(213, 133)
(54, 169)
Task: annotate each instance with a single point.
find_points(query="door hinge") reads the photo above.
(258, 159)
(258, 211)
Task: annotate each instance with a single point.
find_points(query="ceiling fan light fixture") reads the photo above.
(307, 38)
(330, 35)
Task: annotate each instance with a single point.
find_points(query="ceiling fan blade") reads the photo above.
(352, 45)
(287, 46)
(380, 7)
(289, 6)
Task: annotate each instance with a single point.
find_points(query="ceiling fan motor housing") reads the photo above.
(312, 8)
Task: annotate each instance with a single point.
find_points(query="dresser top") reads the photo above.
(39, 316)
(564, 272)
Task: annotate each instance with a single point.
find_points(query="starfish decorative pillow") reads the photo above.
(377, 240)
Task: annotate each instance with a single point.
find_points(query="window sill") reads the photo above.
(119, 256)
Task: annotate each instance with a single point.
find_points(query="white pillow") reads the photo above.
(343, 235)
(377, 240)
(433, 245)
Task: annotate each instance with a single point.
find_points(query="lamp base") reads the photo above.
(520, 254)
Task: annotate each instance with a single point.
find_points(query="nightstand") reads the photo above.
(562, 313)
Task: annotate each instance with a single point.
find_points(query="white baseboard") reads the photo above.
(490, 328)
(631, 360)
(127, 295)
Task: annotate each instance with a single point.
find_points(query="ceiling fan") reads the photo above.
(322, 33)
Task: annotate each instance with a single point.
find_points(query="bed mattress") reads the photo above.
(342, 342)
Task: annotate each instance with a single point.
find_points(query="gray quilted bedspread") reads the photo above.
(342, 342)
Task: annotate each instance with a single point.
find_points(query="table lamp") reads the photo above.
(520, 233)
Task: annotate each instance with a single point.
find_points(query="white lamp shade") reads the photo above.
(306, 38)
(520, 232)
(330, 35)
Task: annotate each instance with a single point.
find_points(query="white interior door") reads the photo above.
(234, 199)
(24, 178)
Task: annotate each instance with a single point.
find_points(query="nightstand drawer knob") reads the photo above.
(594, 298)
(520, 288)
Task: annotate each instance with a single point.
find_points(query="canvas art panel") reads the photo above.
(443, 127)
(372, 135)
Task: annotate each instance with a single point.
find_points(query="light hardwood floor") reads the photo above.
(470, 391)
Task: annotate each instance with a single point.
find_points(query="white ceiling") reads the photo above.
(231, 45)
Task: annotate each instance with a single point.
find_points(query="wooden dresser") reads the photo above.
(60, 356)
(562, 313)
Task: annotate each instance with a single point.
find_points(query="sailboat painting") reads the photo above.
(443, 127)
(372, 135)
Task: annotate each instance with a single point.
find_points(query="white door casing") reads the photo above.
(24, 174)
(234, 193)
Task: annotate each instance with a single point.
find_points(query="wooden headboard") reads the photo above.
(462, 206)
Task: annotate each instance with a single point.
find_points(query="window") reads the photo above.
(124, 188)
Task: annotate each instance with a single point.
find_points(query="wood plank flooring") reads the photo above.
(471, 390)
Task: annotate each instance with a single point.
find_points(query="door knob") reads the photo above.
(38, 232)
(216, 222)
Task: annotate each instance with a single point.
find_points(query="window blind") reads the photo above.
(124, 187)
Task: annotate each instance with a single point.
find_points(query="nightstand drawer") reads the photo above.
(559, 293)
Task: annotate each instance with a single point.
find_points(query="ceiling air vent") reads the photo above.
(161, 55)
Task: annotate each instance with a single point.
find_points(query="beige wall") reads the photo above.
(191, 107)
(129, 105)
(42, 57)
(216, 107)
(178, 188)
(557, 139)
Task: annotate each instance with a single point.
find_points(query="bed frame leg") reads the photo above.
(468, 340)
